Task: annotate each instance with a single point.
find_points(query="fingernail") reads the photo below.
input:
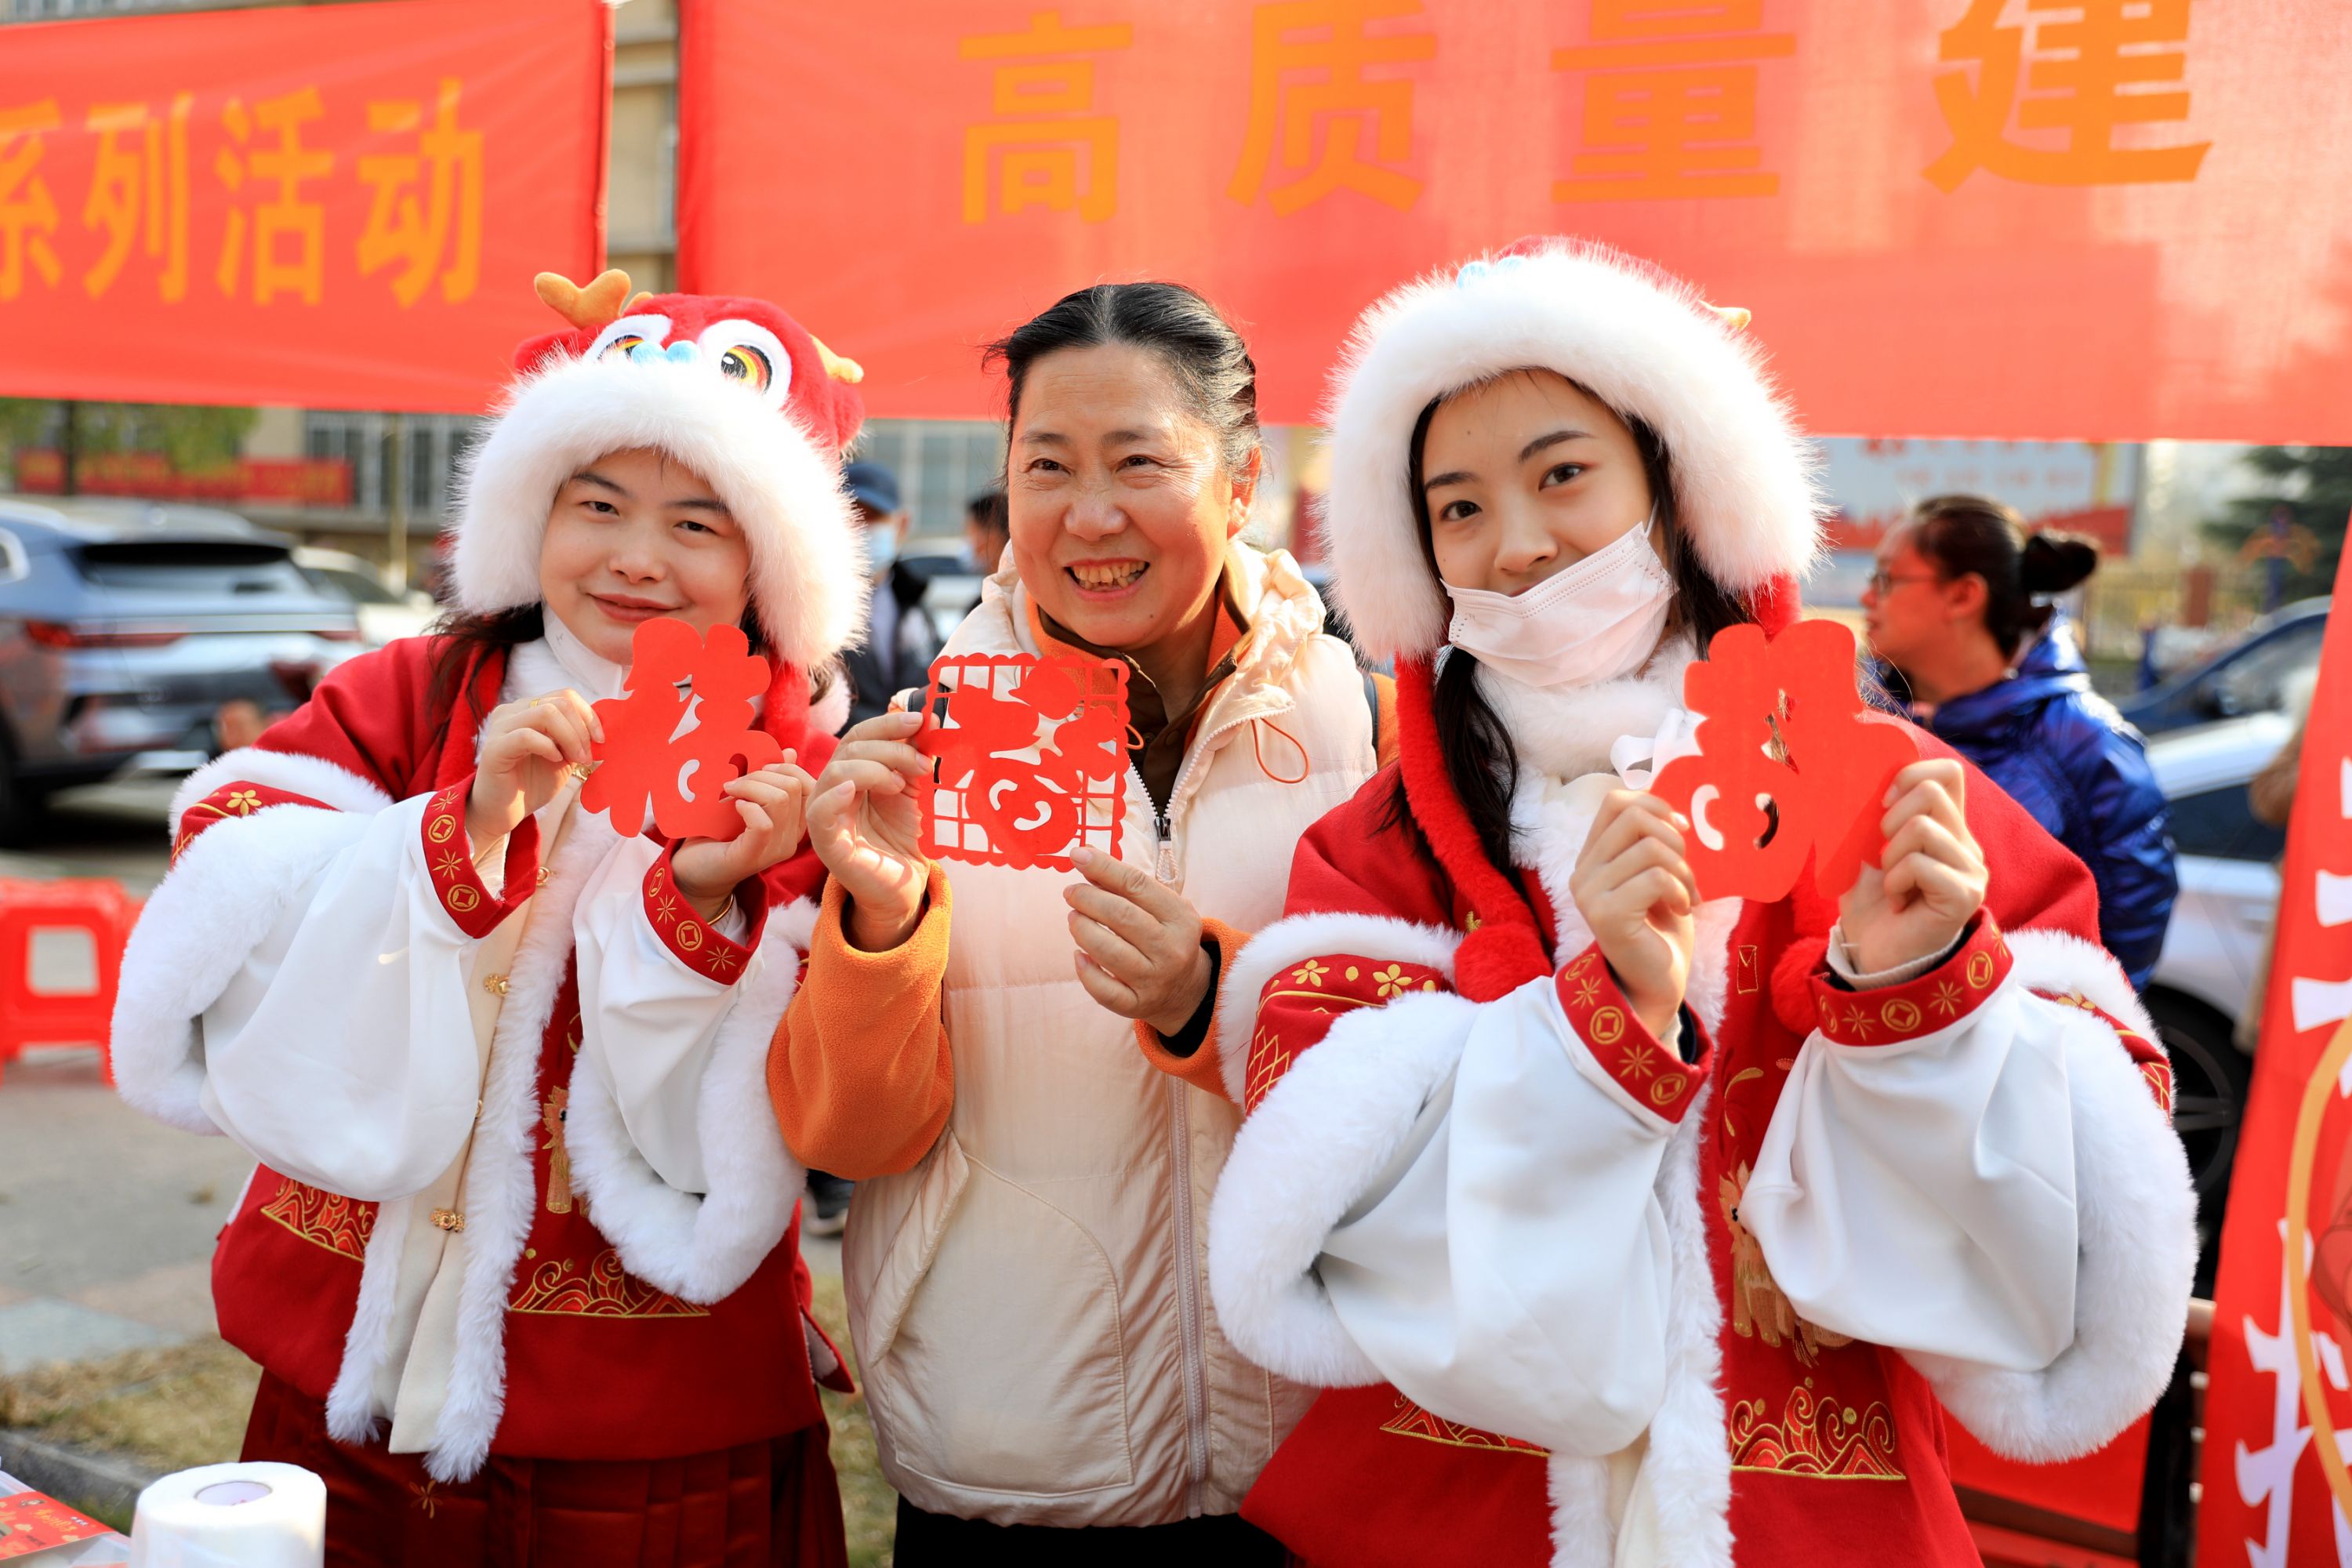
(1081, 856)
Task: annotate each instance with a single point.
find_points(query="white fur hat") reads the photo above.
(1640, 341)
(733, 389)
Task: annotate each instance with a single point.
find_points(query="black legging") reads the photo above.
(1223, 1540)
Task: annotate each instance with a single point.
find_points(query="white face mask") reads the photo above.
(1597, 621)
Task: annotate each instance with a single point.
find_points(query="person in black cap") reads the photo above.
(900, 640)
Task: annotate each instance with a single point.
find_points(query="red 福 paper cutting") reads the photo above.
(685, 730)
(1789, 762)
(1029, 756)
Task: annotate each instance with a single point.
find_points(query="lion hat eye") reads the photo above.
(750, 354)
(615, 341)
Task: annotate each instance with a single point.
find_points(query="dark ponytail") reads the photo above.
(1964, 535)
(1481, 763)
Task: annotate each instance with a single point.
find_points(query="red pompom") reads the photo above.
(1497, 959)
(1775, 606)
(1792, 982)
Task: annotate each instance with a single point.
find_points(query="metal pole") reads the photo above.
(69, 446)
(396, 501)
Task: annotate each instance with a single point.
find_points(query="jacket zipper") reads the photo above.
(1188, 1273)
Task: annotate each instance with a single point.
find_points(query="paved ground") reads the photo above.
(107, 1219)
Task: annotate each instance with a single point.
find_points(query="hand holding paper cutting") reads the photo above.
(1934, 879)
(773, 806)
(866, 827)
(1635, 888)
(527, 747)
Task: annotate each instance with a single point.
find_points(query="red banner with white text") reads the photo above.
(335, 207)
(2099, 219)
(2278, 1402)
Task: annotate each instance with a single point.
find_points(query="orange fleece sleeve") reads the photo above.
(1200, 1069)
(1388, 748)
(859, 1071)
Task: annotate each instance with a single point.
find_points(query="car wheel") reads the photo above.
(18, 804)
(2210, 1076)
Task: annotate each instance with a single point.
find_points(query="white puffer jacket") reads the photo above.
(1030, 1301)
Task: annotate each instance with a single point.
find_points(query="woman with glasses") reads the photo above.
(1960, 607)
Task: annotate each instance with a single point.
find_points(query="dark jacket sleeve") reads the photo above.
(2124, 836)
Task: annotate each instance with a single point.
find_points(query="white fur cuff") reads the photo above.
(702, 1248)
(2137, 1212)
(1302, 937)
(230, 886)
(295, 772)
(1301, 1161)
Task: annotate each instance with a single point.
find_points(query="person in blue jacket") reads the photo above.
(1959, 609)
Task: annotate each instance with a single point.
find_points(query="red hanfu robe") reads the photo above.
(654, 1340)
(1774, 1440)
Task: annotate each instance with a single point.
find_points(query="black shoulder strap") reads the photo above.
(1373, 702)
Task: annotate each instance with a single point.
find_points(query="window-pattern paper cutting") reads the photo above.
(1029, 758)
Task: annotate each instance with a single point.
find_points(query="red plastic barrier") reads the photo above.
(29, 1016)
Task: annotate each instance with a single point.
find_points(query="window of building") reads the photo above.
(435, 444)
(940, 464)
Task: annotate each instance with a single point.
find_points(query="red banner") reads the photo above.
(2049, 218)
(335, 207)
(282, 481)
(2278, 1407)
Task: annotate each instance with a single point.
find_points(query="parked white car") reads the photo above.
(385, 613)
(2214, 951)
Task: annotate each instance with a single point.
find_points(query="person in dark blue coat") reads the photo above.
(1959, 609)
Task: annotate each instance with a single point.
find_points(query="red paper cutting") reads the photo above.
(1789, 761)
(1029, 758)
(684, 732)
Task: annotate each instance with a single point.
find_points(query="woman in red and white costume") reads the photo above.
(518, 1262)
(1623, 1228)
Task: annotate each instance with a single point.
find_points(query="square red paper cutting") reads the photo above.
(1029, 758)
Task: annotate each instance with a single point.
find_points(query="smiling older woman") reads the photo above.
(1025, 1256)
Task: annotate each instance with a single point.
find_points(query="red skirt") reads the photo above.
(762, 1505)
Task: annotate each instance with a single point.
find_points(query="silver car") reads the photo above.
(126, 625)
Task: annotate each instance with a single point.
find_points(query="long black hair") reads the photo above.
(1965, 535)
(1481, 763)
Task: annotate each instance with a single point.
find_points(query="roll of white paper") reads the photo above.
(232, 1516)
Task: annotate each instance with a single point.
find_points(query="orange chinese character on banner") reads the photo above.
(139, 193)
(27, 216)
(2077, 85)
(400, 228)
(1047, 126)
(1338, 122)
(1670, 107)
(288, 215)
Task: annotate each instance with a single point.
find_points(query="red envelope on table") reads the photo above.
(1789, 762)
(30, 1522)
(1028, 758)
(682, 734)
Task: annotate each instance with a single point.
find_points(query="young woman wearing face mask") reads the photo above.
(1622, 1227)
(1024, 1252)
